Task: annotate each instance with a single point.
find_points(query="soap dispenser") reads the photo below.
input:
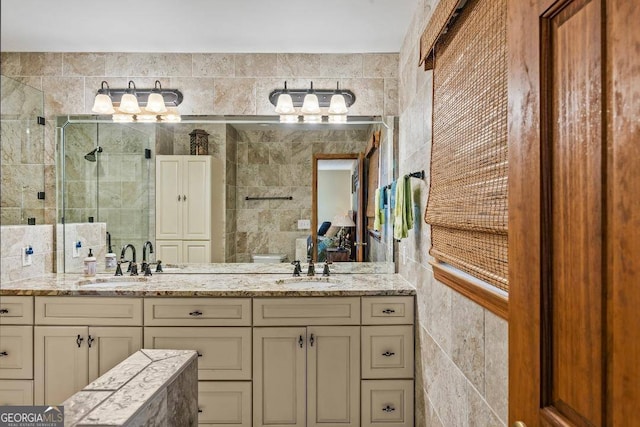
(90, 265)
(110, 258)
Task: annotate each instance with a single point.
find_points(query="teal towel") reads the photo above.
(392, 195)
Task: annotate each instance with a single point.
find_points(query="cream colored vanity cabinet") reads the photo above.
(16, 350)
(219, 329)
(189, 208)
(312, 360)
(387, 361)
(78, 339)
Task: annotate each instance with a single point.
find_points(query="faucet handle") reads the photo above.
(325, 270)
(119, 269)
(159, 266)
(133, 268)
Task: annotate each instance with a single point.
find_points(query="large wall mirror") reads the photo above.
(205, 190)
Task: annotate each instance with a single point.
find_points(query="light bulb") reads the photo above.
(337, 118)
(312, 118)
(288, 118)
(146, 118)
(129, 104)
(122, 118)
(102, 104)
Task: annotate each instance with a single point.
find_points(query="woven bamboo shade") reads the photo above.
(439, 18)
(467, 206)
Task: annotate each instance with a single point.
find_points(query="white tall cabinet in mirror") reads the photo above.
(189, 209)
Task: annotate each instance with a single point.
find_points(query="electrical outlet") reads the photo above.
(304, 224)
(27, 256)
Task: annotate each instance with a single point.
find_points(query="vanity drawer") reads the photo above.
(387, 310)
(197, 311)
(16, 310)
(223, 353)
(16, 352)
(387, 403)
(306, 311)
(88, 311)
(16, 392)
(387, 351)
(224, 404)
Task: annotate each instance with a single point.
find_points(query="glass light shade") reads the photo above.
(337, 118)
(288, 118)
(312, 118)
(338, 105)
(146, 118)
(310, 104)
(129, 104)
(122, 118)
(155, 104)
(285, 104)
(102, 104)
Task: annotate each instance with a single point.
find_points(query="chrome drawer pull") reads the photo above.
(4, 311)
(388, 353)
(388, 311)
(195, 313)
(3, 354)
(388, 408)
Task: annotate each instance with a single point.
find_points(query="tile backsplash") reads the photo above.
(13, 240)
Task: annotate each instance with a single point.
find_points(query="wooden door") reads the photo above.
(196, 197)
(61, 363)
(333, 376)
(574, 211)
(109, 346)
(168, 197)
(279, 359)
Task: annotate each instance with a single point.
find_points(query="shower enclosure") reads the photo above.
(23, 155)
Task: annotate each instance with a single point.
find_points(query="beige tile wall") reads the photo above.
(13, 240)
(212, 83)
(461, 348)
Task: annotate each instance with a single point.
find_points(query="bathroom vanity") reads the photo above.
(272, 349)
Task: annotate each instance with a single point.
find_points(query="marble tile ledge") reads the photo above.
(212, 285)
(143, 388)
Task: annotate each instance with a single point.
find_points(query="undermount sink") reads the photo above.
(109, 282)
(304, 282)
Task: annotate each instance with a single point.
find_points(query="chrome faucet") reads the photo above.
(145, 266)
(133, 267)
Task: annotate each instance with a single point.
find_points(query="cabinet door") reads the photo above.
(224, 403)
(16, 352)
(169, 251)
(196, 193)
(16, 392)
(196, 251)
(109, 346)
(333, 376)
(279, 377)
(61, 362)
(169, 188)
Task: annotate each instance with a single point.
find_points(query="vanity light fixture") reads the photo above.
(311, 102)
(156, 103)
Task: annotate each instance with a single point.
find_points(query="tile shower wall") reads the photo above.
(231, 167)
(278, 163)
(461, 348)
(13, 240)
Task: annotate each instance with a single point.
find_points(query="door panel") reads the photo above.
(575, 288)
(61, 366)
(168, 208)
(279, 377)
(197, 190)
(333, 376)
(110, 346)
(196, 251)
(169, 251)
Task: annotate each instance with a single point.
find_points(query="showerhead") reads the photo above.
(91, 156)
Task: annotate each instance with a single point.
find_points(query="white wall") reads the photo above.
(334, 194)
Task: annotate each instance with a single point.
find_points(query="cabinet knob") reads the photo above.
(388, 353)
(388, 408)
(90, 340)
(184, 197)
(3, 354)
(199, 354)
(300, 341)
(311, 340)
(199, 410)
(195, 313)
(4, 311)
(79, 341)
(388, 311)
(179, 197)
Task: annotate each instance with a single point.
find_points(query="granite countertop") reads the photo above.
(211, 285)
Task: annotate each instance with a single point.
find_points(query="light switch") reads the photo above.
(304, 224)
